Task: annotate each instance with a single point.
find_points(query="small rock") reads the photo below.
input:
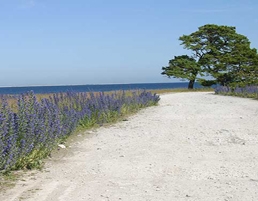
(62, 146)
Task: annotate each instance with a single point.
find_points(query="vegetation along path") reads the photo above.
(193, 146)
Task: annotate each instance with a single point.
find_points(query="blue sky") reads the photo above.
(55, 42)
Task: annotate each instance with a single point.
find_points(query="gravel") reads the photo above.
(192, 146)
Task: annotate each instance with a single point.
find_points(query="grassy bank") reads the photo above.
(177, 90)
(31, 125)
(246, 92)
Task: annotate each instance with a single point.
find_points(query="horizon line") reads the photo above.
(60, 85)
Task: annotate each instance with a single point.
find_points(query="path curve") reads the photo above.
(192, 147)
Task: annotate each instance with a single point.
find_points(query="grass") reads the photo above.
(178, 90)
(8, 179)
(13, 101)
(244, 92)
(31, 129)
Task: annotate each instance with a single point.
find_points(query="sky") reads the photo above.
(76, 42)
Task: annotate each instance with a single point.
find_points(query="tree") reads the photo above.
(218, 52)
(206, 83)
(243, 66)
(223, 54)
(184, 67)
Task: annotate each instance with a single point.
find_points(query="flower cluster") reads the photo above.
(32, 128)
(247, 91)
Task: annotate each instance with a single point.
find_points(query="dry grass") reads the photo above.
(12, 102)
(178, 90)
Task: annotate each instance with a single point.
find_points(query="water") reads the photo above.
(94, 88)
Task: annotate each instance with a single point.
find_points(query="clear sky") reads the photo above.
(55, 42)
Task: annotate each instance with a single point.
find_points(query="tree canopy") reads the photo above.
(184, 67)
(219, 52)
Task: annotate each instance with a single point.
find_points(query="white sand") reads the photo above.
(193, 146)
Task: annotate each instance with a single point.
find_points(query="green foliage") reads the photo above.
(223, 54)
(184, 67)
(219, 52)
(29, 134)
(32, 160)
(88, 122)
(207, 83)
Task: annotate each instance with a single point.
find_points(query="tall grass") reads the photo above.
(178, 90)
(31, 127)
(247, 91)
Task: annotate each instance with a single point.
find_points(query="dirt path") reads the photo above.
(193, 146)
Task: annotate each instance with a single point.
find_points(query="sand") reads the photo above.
(193, 146)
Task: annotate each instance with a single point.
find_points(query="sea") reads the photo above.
(94, 88)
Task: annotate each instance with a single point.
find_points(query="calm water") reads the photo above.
(87, 88)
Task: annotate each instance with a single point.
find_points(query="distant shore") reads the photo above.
(94, 88)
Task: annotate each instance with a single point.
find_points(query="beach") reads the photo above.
(192, 146)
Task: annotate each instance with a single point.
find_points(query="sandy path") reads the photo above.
(193, 146)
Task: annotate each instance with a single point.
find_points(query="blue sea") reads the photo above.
(93, 88)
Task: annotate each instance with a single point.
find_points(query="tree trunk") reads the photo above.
(191, 84)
